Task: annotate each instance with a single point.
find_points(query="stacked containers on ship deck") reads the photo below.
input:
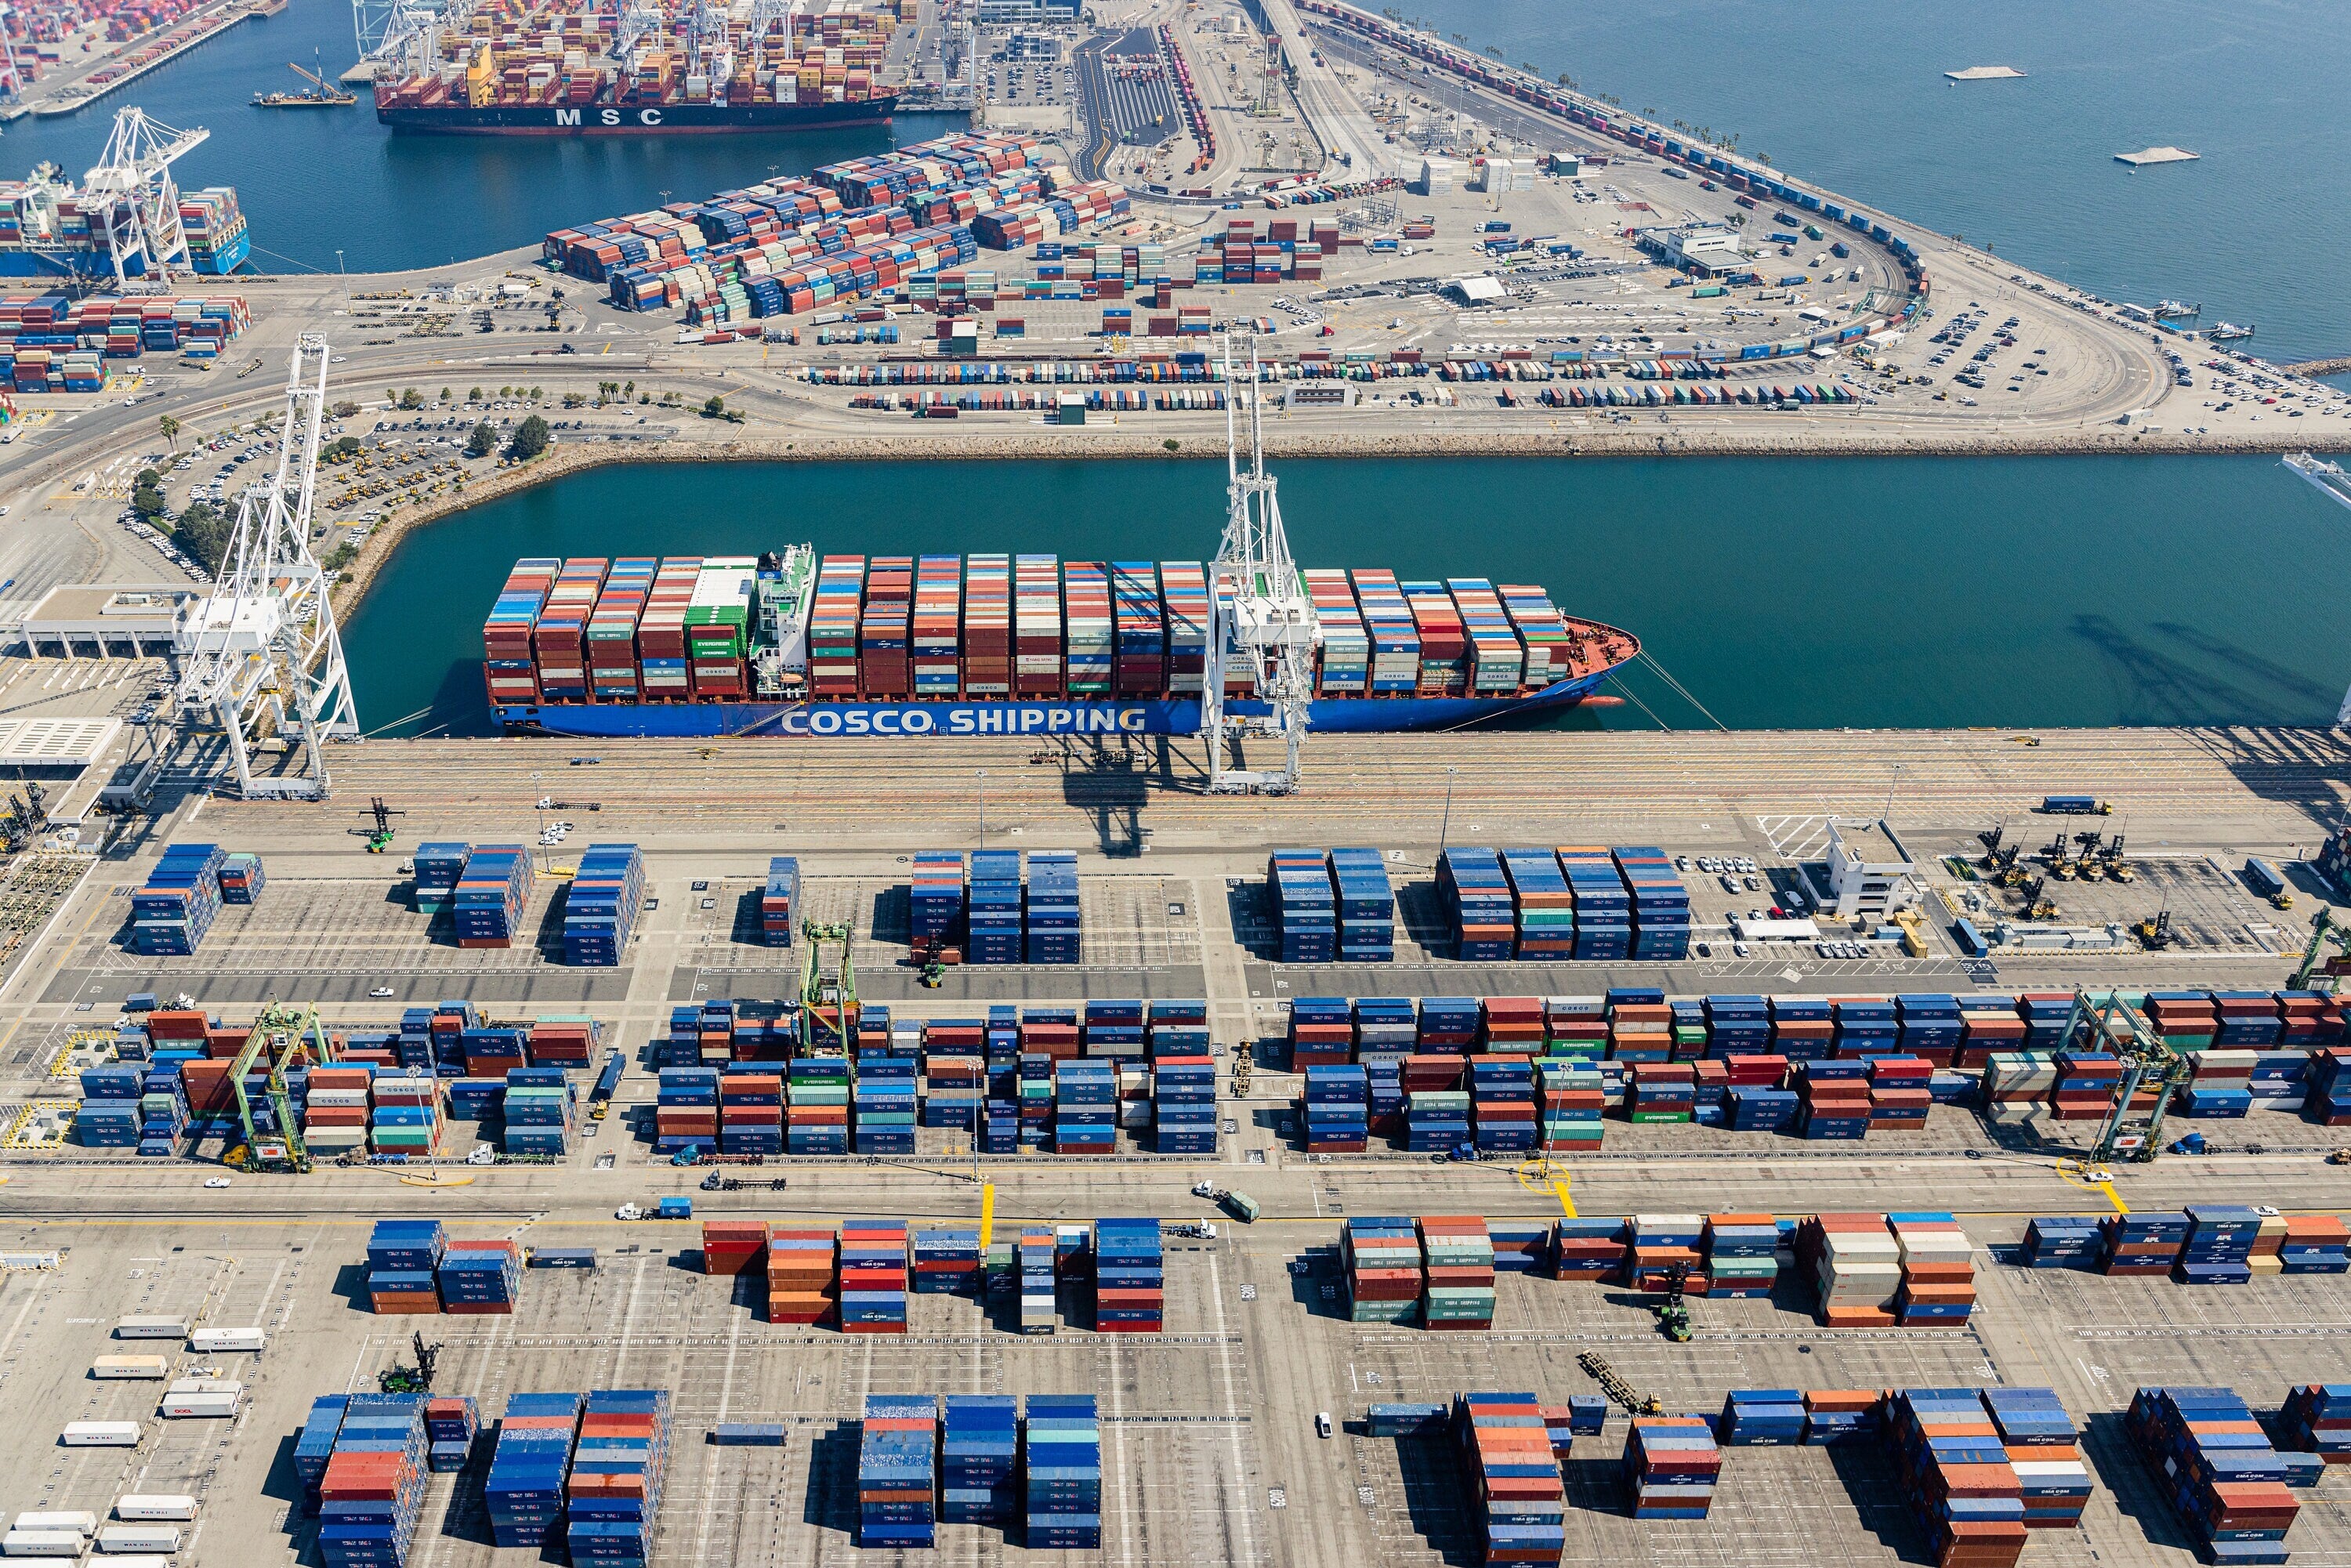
(491, 894)
(1184, 597)
(1603, 909)
(1497, 662)
(1542, 632)
(803, 1273)
(402, 1255)
(898, 1471)
(780, 900)
(2039, 1441)
(937, 632)
(1520, 1501)
(1670, 1466)
(1443, 641)
(1141, 666)
(600, 904)
(1661, 908)
(1457, 1273)
(833, 620)
(558, 636)
(173, 909)
(611, 641)
(371, 1492)
(1129, 1282)
(1543, 909)
(987, 626)
(618, 1468)
(2206, 1450)
(523, 1493)
(717, 628)
(1395, 641)
(1477, 898)
(1305, 913)
(509, 670)
(1051, 908)
(1366, 904)
(993, 915)
(1093, 637)
(1061, 1473)
(1346, 667)
(1956, 1476)
(979, 1456)
(885, 633)
(1037, 668)
(873, 1276)
(1382, 1260)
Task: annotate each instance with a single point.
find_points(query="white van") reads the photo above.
(101, 1435)
(149, 1507)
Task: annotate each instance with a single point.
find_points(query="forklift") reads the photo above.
(2038, 904)
(2155, 932)
(378, 837)
(2117, 869)
(1673, 1314)
(418, 1379)
(2059, 866)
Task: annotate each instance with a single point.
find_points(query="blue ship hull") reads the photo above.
(896, 721)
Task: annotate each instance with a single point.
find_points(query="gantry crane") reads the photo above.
(132, 199)
(1259, 618)
(267, 633)
(2324, 933)
(827, 1019)
(279, 1036)
(2110, 1024)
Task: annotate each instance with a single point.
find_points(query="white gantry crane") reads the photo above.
(11, 85)
(1259, 618)
(263, 652)
(130, 196)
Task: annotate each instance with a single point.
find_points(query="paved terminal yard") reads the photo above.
(1209, 1449)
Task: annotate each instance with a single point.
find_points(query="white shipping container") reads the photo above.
(227, 1339)
(100, 1435)
(163, 1539)
(153, 1506)
(151, 1328)
(79, 1519)
(41, 1543)
(201, 1398)
(150, 1367)
(29, 1259)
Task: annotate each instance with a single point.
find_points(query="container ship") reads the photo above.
(575, 68)
(48, 228)
(790, 644)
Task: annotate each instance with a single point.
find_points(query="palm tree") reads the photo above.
(171, 428)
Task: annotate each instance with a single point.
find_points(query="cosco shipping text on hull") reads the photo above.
(628, 119)
(896, 721)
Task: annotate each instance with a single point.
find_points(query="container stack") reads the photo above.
(2146, 1242)
(1085, 1108)
(887, 1106)
(617, 1473)
(1366, 906)
(524, 1491)
(1521, 1246)
(2317, 1420)
(947, 1261)
(451, 1424)
(979, 1455)
(1520, 1501)
(1051, 908)
(2315, 1244)
(1338, 1110)
(1741, 1255)
(1956, 1477)
(1661, 906)
(404, 1114)
(1542, 910)
(898, 1471)
(1604, 906)
(480, 1278)
(2219, 1242)
(241, 878)
(401, 1257)
(750, 1110)
(1061, 1473)
(1040, 1280)
(816, 1119)
(780, 900)
(1655, 1243)
(371, 1492)
(2326, 1097)
(873, 1276)
(1129, 1282)
(1382, 1260)
(992, 908)
(2205, 1447)
(1939, 1271)
(1502, 1103)
(172, 911)
(1457, 1273)
(1671, 1466)
(539, 1112)
(1436, 1120)
(1571, 1099)
(685, 1110)
(1321, 1033)
(1661, 1092)
(2040, 1440)
(1761, 1418)
(491, 895)
(934, 898)
(733, 1246)
(1478, 900)
(1305, 911)
(1832, 1099)
(601, 905)
(1590, 1249)
(1184, 1104)
(1513, 1025)
(803, 1274)
(1855, 1264)
(2061, 1241)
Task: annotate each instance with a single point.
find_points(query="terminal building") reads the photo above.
(1013, 13)
(1870, 871)
(136, 622)
(1705, 249)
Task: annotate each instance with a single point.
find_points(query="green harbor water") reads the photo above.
(1780, 593)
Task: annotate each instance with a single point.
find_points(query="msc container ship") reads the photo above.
(792, 644)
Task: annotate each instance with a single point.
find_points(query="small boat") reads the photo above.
(2228, 333)
(2173, 311)
(2327, 478)
(320, 94)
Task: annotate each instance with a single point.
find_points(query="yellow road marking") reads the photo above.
(987, 1214)
(1566, 1204)
(2108, 1188)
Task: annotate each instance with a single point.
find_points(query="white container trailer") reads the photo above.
(101, 1435)
(151, 1328)
(136, 1508)
(219, 1341)
(64, 1544)
(139, 1560)
(153, 1367)
(151, 1540)
(201, 1398)
(79, 1519)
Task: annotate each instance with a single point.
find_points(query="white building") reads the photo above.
(1706, 250)
(1870, 871)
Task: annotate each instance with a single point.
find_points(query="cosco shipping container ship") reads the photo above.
(789, 644)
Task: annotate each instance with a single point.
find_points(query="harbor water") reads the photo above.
(1799, 594)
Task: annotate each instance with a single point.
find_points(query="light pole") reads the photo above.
(347, 282)
(1890, 787)
(1446, 827)
(539, 804)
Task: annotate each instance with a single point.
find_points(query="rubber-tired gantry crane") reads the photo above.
(263, 652)
(1259, 618)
